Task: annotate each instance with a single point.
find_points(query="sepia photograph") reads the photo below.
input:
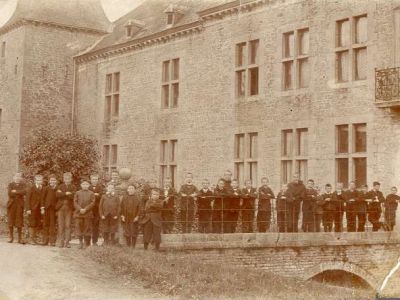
(199, 149)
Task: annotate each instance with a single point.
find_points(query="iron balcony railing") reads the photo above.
(387, 84)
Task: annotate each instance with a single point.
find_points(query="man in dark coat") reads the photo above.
(130, 211)
(340, 200)
(351, 196)
(361, 207)
(98, 190)
(204, 200)
(230, 206)
(151, 220)
(49, 207)
(265, 196)
(249, 195)
(298, 190)
(33, 207)
(65, 208)
(283, 199)
(219, 194)
(391, 204)
(329, 208)
(375, 206)
(308, 207)
(15, 207)
(168, 213)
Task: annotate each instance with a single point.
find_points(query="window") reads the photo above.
(294, 154)
(111, 106)
(3, 49)
(170, 83)
(110, 158)
(247, 73)
(295, 63)
(246, 156)
(351, 48)
(168, 161)
(351, 153)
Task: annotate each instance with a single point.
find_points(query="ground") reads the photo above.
(35, 272)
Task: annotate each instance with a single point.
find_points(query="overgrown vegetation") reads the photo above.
(181, 276)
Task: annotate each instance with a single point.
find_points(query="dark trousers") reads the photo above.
(151, 233)
(95, 225)
(49, 225)
(351, 221)
(15, 214)
(328, 218)
(131, 228)
(35, 218)
(361, 218)
(205, 220)
(247, 219)
(308, 220)
(230, 219)
(167, 216)
(109, 225)
(338, 221)
(263, 220)
(293, 212)
(373, 217)
(217, 221)
(83, 227)
(186, 219)
(64, 218)
(318, 221)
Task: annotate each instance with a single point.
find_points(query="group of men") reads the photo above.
(224, 208)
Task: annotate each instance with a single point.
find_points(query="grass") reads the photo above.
(180, 276)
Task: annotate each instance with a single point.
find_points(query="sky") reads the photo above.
(113, 8)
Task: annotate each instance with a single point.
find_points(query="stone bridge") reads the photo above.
(368, 255)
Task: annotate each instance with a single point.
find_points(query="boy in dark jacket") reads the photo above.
(15, 207)
(187, 193)
(249, 195)
(308, 207)
(351, 196)
(391, 204)
(265, 196)
(33, 208)
(84, 201)
(98, 189)
(49, 206)
(130, 210)
(151, 220)
(318, 210)
(340, 200)
(328, 216)
(204, 199)
(284, 197)
(219, 194)
(109, 214)
(361, 207)
(375, 206)
(297, 190)
(230, 206)
(168, 213)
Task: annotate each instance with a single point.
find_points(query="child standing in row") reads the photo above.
(130, 210)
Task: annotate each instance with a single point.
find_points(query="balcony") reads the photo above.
(387, 88)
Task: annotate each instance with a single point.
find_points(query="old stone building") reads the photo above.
(262, 88)
(37, 45)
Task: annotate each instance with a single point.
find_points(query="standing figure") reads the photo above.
(84, 201)
(249, 195)
(318, 210)
(309, 206)
(109, 214)
(297, 190)
(34, 209)
(361, 208)
(187, 194)
(168, 197)
(151, 220)
(15, 207)
(98, 190)
(130, 210)
(284, 197)
(375, 206)
(219, 194)
(351, 196)
(49, 206)
(391, 204)
(230, 206)
(340, 200)
(329, 207)
(204, 200)
(265, 195)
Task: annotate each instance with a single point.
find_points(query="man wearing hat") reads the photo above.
(375, 206)
(84, 201)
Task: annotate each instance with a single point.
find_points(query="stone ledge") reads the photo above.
(267, 240)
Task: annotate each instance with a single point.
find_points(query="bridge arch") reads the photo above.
(341, 266)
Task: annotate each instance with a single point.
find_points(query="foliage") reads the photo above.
(55, 153)
(181, 275)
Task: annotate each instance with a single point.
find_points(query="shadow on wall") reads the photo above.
(341, 278)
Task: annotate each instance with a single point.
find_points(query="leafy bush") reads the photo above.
(54, 153)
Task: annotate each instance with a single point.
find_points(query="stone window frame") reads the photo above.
(112, 97)
(296, 59)
(246, 152)
(170, 85)
(168, 165)
(352, 154)
(294, 155)
(247, 64)
(110, 158)
(352, 49)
